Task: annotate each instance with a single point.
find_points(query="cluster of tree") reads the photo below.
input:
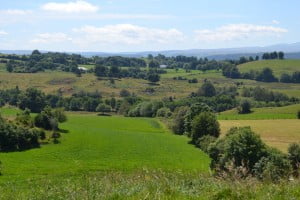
(118, 61)
(265, 75)
(242, 153)
(116, 72)
(15, 137)
(146, 109)
(46, 61)
(197, 122)
(186, 62)
(287, 78)
(273, 55)
(262, 94)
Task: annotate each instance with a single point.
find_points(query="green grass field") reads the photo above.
(278, 66)
(96, 143)
(286, 112)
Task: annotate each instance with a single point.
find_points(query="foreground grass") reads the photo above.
(147, 185)
(285, 112)
(277, 133)
(96, 143)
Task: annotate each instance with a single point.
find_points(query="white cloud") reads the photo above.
(128, 34)
(238, 31)
(51, 38)
(3, 33)
(15, 12)
(78, 6)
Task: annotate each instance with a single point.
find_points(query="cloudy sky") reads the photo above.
(139, 25)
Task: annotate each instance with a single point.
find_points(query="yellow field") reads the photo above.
(276, 133)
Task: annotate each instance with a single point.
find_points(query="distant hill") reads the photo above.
(292, 52)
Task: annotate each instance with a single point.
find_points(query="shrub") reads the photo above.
(204, 142)
(205, 124)
(192, 112)
(179, 120)
(124, 93)
(164, 112)
(245, 107)
(272, 167)
(298, 114)
(294, 157)
(240, 148)
(103, 108)
(207, 90)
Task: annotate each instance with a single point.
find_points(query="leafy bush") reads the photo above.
(242, 150)
(164, 112)
(245, 107)
(207, 89)
(15, 138)
(272, 167)
(294, 157)
(179, 120)
(49, 118)
(205, 124)
(204, 142)
(241, 147)
(298, 114)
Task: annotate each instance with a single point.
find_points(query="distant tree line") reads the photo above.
(265, 75)
(152, 75)
(273, 55)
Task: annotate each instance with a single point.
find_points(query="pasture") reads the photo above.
(276, 133)
(93, 143)
(285, 112)
(278, 66)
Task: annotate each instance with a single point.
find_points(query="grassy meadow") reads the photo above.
(278, 66)
(285, 112)
(92, 143)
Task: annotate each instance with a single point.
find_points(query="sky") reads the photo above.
(146, 25)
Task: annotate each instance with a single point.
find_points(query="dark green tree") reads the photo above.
(205, 124)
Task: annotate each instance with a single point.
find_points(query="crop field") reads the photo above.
(278, 66)
(94, 143)
(285, 112)
(276, 133)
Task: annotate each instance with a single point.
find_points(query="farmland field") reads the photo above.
(278, 66)
(276, 133)
(286, 112)
(96, 143)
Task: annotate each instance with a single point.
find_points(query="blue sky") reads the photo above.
(139, 25)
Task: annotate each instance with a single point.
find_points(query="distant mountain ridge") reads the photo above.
(292, 51)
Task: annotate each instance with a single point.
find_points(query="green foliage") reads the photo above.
(49, 118)
(273, 167)
(242, 151)
(153, 77)
(124, 93)
(294, 157)
(207, 89)
(178, 126)
(164, 112)
(16, 138)
(194, 110)
(32, 99)
(245, 107)
(298, 114)
(204, 142)
(205, 124)
(103, 108)
(24, 118)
